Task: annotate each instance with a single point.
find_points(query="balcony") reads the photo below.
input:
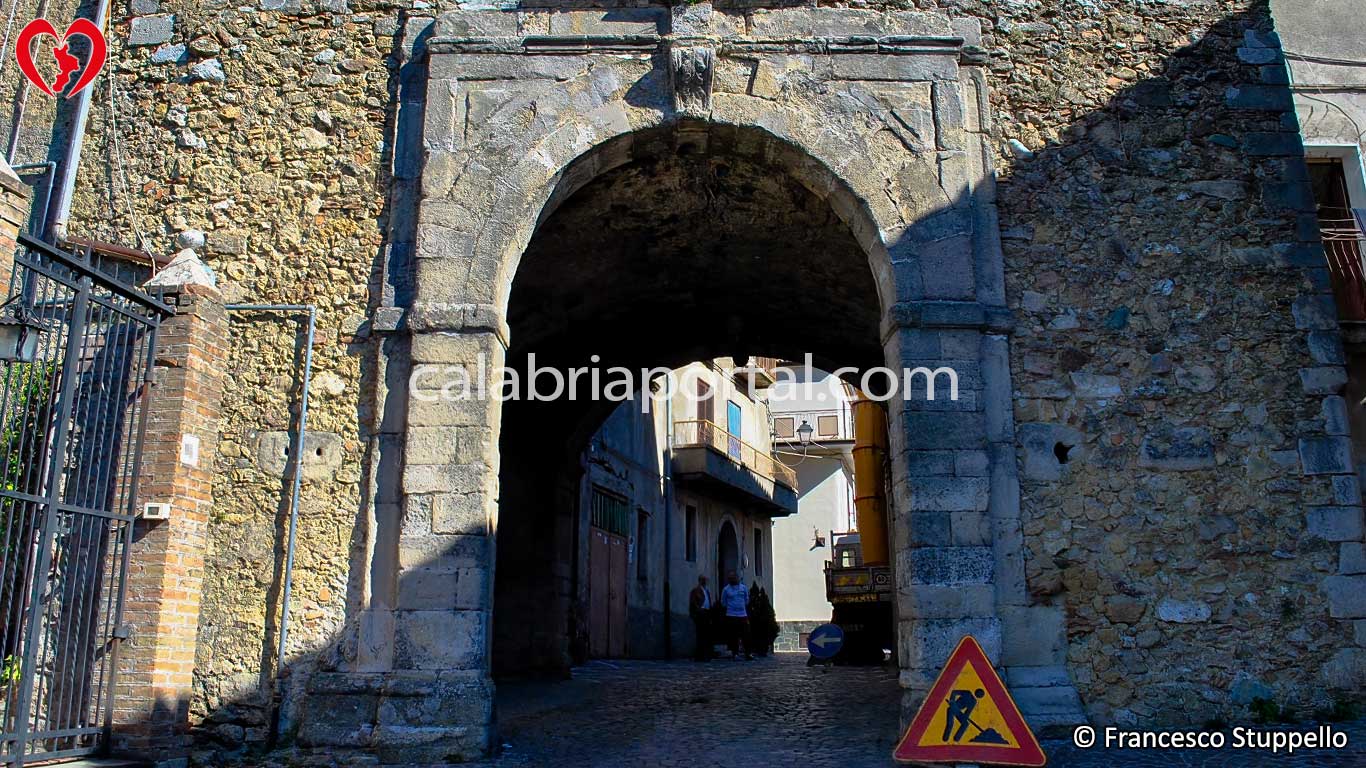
(758, 373)
(709, 456)
(831, 425)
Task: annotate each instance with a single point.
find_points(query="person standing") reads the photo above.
(735, 600)
(700, 609)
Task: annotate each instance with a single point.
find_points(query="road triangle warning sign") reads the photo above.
(969, 718)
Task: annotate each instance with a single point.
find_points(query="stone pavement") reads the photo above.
(769, 712)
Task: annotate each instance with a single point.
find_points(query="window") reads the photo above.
(610, 512)
(784, 427)
(642, 525)
(758, 552)
(690, 533)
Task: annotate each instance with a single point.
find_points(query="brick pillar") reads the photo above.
(15, 202)
(156, 665)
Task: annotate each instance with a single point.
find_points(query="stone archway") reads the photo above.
(880, 115)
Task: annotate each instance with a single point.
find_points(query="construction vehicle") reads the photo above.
(858, 579)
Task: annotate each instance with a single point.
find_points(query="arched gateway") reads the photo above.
(878, 117)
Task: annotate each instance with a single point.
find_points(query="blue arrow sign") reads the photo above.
(825, 641)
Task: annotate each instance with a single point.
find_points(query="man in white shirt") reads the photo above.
(735, 600)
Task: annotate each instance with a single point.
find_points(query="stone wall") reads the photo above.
(1156, 261)
(1181, 465)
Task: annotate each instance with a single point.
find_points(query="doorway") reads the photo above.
(727, 554)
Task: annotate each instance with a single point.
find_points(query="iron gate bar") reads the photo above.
(81, 266)
(69, 474)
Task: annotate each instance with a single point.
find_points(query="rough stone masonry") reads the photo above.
(1144, 507)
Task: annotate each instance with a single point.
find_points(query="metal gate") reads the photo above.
(76, 354)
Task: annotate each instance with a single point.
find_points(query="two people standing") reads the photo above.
(734, 610)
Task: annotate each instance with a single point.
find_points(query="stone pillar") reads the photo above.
(156, 664)
(15, 201)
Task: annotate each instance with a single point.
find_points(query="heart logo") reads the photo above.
(67, 64)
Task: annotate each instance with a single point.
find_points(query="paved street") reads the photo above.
(769, 712)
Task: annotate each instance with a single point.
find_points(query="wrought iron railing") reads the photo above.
(73, 408)
(1343, 244)
(699, 433)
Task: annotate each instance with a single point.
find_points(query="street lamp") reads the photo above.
(804, 433)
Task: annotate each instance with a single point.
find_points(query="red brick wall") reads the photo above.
(156, 666)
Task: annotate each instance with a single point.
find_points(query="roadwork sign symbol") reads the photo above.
(825, 641)
(969, 718)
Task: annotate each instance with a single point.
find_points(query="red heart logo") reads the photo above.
(66, 63)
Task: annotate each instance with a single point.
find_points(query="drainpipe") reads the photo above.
(49, 168)
(72, 159)
(668, 526)
(298, 458)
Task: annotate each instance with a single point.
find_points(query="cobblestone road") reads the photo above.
(769, 712)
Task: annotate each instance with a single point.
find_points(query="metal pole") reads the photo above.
(298, 458)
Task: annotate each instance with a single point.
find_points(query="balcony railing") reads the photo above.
(698, 433)
(1344, 243)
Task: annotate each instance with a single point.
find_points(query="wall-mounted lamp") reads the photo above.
(19, 333)
(804, 433)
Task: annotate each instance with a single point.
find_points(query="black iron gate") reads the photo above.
(76, 354)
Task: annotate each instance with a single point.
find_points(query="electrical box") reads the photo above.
(156, 510)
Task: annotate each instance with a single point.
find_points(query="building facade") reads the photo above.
(673, 491)
(1144, 503)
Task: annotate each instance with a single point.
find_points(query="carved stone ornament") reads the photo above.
(691, 68)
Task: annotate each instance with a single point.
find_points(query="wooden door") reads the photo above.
(616, 597)
(607, 556)
(599, 551)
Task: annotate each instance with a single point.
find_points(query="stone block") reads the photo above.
(1334, 523)
(1273, 144)
(461, 513)
(1050, 708)
(1324, 380)
(934, 602)
(936, 494)
(947, 566)
(1326, 455)
(614, 23)
(448, 552)
(1181, 449)
(323, 453)
(447, 478)
(422, 589)
(927, 643)
(929, 463)
(1183, 611)
(1346, 670)
(790, 23)
(1260, 98)
(971, 464)
(1047, 449)
(1049, 676)
(434, 640)
(1352, 558)
(872, 66)
(943, 431)
(1315, 312)
(151, 30)
(1334, 410)
(929, 529)
(1346, 490)
(1033, 635)
(1346, 596)
(1325, 347)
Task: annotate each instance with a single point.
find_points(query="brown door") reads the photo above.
(706, 412)
(606, 594)
(616, 598)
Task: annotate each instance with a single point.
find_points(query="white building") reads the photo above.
(825, 503)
